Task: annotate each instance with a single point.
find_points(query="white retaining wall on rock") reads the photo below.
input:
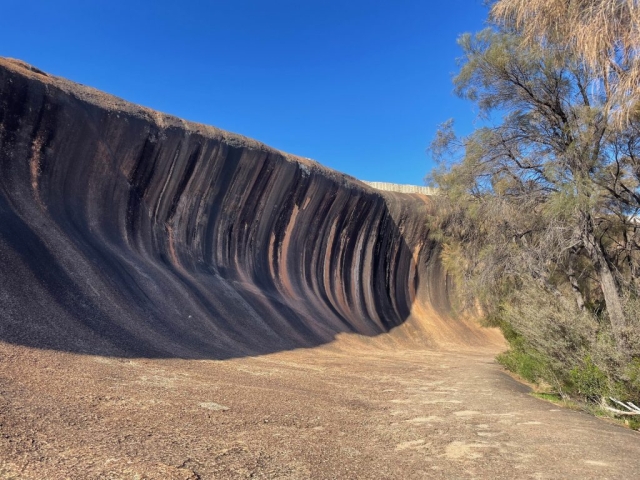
(395, 187)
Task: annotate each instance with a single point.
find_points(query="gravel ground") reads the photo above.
(347, 410)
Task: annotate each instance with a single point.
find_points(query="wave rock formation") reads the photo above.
(126, 232)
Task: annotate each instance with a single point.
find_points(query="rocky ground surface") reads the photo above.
(345, 410)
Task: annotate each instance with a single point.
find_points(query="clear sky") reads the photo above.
(359, 85)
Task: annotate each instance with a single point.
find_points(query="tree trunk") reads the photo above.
(613, 301)
(608, 285)
(573, 281)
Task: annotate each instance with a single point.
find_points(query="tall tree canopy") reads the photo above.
(546, 193)
(604, 34)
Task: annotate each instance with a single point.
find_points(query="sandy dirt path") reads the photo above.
(328, 412)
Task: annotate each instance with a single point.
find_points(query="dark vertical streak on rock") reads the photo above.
(140, 179)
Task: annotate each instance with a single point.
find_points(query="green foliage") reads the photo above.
(589, 381)
(527, 364)
(554, 343)
(521, 358)
(633, 423)
(537, 215)
(550, 397)
(547, 191)
(632, 373)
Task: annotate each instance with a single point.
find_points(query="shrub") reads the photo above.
(589, 381)
(529, 366)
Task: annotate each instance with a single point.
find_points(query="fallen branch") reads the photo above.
(631, 408)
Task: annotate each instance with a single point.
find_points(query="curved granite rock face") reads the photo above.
(126, 232)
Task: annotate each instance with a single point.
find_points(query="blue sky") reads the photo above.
(359, 86)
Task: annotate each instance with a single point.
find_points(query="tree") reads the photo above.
(603, 34)
(548, 192)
